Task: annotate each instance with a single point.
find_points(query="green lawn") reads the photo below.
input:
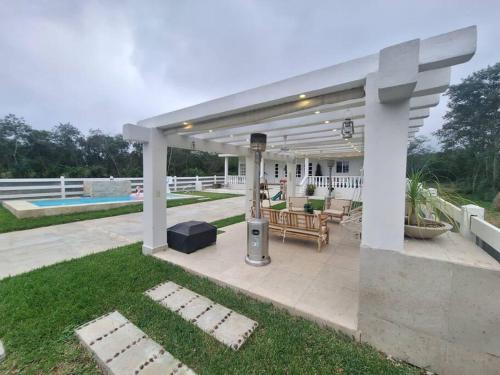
(9, 223)
(39, 311)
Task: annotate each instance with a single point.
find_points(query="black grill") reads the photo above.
(190, 236)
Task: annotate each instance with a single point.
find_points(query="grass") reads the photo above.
(39, 311)
(229, 221)
(10, 223)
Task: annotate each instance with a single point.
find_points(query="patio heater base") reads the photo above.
(258, 263)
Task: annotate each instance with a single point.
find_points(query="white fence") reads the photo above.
(22, 188)
(470, 219)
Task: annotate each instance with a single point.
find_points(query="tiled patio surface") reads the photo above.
(322, 286)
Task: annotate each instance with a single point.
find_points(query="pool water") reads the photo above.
(88, 200)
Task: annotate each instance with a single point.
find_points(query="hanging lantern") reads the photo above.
(347, 128)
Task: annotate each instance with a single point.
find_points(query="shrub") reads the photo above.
(310, 189)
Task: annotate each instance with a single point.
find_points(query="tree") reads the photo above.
(472, 125)
(64, 150)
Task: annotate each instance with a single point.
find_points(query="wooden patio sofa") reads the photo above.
(298, 224)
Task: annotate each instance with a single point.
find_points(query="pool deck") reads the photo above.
(23, 209)
(23, 251)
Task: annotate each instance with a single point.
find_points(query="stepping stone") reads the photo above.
(226, 325)
(2, 352)
(120, 347)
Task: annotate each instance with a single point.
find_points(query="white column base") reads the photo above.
(146, 250)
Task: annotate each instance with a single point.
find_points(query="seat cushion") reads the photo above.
(333, 212)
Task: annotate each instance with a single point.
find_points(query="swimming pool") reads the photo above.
(96, 200)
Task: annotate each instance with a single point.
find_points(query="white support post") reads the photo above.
(175, 183)
(306, 167)
(468, 211)
(250, 175)
(387, 113)
(155, 174)
(63, 187)
(386, 138)
(291, 168)
(226, 170)
(262, 168)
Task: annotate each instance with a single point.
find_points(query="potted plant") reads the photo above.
(422, 214)
(310, 189)
(308, 208)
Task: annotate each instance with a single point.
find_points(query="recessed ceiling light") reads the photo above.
(231, 135)
(317, 112)
(210, 131)
(327, 122)
(185, 123)
(302, 96)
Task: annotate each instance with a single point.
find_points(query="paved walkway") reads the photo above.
(26, 250)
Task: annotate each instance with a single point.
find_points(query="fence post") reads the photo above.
(215, 179)
(175, 183)
(63, 187)
(468, 211)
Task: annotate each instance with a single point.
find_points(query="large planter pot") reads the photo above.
(430, 230)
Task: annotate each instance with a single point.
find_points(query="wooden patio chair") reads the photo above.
(337, 208)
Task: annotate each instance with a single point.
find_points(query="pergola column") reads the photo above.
(155, 198)
(226, 170)
(249, 185)
(291, 168)
(388, 95)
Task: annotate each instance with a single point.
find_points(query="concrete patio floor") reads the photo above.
(23, 251)
(320, 286)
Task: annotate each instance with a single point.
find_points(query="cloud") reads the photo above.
(99, 64)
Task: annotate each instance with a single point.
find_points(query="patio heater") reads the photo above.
(330, 164)
(257, 227)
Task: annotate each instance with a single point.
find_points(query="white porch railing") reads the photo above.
(62, 187)
(236, 180)
(337, 181)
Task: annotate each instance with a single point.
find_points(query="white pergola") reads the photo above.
(387, 95)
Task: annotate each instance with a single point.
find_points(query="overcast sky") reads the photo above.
(100, 64)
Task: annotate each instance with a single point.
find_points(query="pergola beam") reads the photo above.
(185, 142)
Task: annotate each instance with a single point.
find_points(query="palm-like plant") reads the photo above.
(421, 204)
(417, 197)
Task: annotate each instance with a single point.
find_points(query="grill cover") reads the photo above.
(191, 236)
